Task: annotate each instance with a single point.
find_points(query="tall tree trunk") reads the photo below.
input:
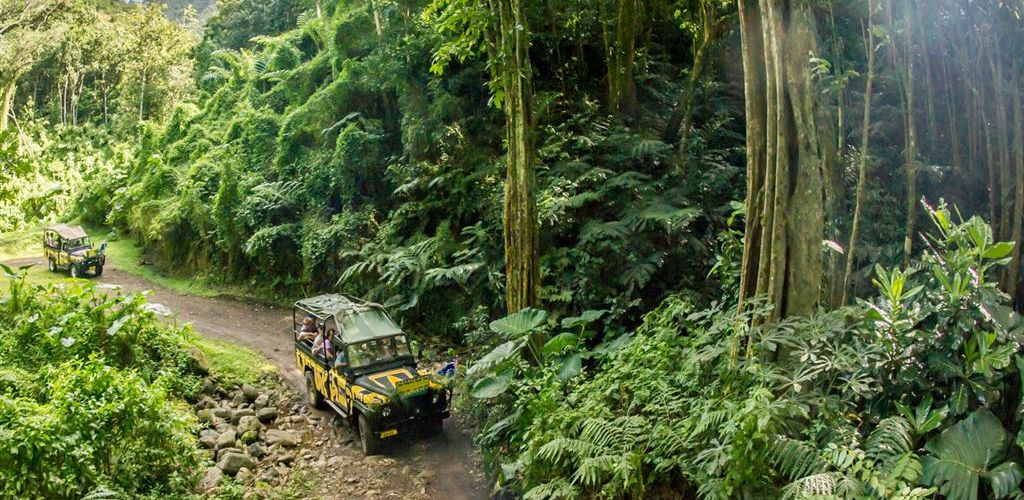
(521, 234)
(911, 147)
(622, 87)
(7, 92)
(142, 96)
(865, 139)
(1018, 206)
(782, 256)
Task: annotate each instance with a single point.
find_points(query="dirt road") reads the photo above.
(447, 458)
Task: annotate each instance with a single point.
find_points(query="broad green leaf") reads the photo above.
(520, 323)
(998, 251)
(559, 342)
(966, 453)
(571, 366)
(497, 356)
(584, 319)
(491, 387)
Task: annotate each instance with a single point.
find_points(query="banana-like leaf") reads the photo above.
(971, 451)
(491, 387)
(520, 323)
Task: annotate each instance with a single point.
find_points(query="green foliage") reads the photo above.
(974, 449)
(100, 409)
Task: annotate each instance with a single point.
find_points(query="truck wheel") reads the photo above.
(74, 271)
(99, 271)
(51, 265)
(313, 396)
(369, 440)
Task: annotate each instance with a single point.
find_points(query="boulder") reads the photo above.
(222, 426)
(250, 393)
(206, 402)
(199, 364)
(226, 439)
(244, 476)
(205, 416)
(250, 437)
(232, 462)
(267, 415)
(208, 438)
(257, 451)
(249, 423)
(225, 451)
(261, 402)
(209, 387)
(222, 412)
(242, 412)
(287, 439)
(212, 478)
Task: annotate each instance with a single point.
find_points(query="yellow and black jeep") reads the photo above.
(367, 373)
(68, 248)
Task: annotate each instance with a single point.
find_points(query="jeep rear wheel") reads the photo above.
(313, 396)
(369, 439)
(52, 266)
(74, 271)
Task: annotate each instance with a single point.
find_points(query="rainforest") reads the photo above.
(653, 248)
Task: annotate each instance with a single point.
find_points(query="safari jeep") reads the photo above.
(68, 248)
(370, 376)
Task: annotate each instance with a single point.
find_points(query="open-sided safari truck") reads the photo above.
(69, 248)
(370, 376)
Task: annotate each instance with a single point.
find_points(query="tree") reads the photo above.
(521, 234)
(782, 257)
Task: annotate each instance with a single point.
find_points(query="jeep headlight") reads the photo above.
(386, 411)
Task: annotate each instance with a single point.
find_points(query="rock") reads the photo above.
(296, 419)
(267, 415)
(222, 412)
(287, 439)
(244, 475)
(223, 426)
(261, 402)
(208, 438)
(232, 462)
(226, 439)
(206, 402)
(212, 478)
(205, 416)
(225, 451)
(257, 451)
(249, 393)
(249, 423)
(209, 387)
(243, 412)
(286, 458)
(250, 437)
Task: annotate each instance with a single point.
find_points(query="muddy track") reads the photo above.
(447, 458)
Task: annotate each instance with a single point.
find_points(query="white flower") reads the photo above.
(67, 341)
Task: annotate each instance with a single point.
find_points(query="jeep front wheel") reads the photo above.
(99, 271)
(369, 440)
(313, 396)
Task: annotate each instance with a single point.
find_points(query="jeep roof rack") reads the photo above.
(332, 304)
(68, 232)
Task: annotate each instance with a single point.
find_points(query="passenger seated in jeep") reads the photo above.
(322, 346)
(308, 331)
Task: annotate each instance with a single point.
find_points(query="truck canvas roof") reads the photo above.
(68, 232)
(358, 320)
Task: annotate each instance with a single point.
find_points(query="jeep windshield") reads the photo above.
(372, 353)
(78, 244)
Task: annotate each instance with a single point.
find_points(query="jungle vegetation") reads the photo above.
(716, 248)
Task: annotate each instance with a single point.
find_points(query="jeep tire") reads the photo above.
(313, 396)
(51, 265)
(367, 438)
(99, 271)
(74, 271)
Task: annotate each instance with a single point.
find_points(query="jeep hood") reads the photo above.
(384, 381)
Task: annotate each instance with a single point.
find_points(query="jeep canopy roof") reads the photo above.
(358, 320)
(68, 232)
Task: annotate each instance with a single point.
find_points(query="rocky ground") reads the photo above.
(266, 438)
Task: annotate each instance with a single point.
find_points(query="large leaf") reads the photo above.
(999, 250)
(559, 342)
(588, 316)
(520, 323)
(571, 366)
(497, 356)
(968, 452)
(491, 387)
